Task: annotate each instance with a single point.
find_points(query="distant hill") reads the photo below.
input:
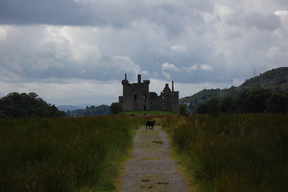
(91, 111)
(275, 79)
(67, 108)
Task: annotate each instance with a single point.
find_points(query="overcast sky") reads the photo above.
(78, 51)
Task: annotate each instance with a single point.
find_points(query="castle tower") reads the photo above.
(174, 100)
(135, 95)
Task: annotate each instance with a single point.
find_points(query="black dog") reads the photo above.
(150, 124)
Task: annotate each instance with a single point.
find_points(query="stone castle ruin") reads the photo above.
(136, 97)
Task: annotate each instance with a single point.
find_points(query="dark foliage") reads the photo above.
(115, 108)
(253, 100)
(256, 100)
(203, 96)
(211, 106)
(182, 109)
(277, 103)
(227, 105)
(90, 111)
(16, 105)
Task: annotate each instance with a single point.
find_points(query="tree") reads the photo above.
(213, 105)
(210, 106)
(33, 95)
(255, 100)
(277, 103)
(227, 105)
(203, 108)
(16, 105)
(182, 109)
(115, 108)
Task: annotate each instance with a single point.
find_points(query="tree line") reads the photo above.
(256, 100)
(23, 105)
(90, 111)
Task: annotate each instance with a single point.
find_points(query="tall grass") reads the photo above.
(234, 152)
(71, 154)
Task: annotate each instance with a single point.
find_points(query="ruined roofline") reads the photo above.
(146, 82)
(125, 81)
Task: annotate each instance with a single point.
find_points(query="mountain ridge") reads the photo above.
(274, 79)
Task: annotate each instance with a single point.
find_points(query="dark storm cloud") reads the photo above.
(54, 12)
(172, 16)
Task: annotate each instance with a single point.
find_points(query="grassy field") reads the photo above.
(68, 154)
(233, 152)
(221, 153)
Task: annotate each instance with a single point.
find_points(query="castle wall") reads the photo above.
(136, 97)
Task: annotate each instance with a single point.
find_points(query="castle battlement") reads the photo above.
(136, 97)
(146, 81)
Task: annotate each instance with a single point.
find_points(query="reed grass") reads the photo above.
(68, 154)
(233, 152)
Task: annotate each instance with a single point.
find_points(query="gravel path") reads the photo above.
(150, 167)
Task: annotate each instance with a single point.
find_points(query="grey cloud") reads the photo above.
(69, 12)
(172, 16)
(175, 18)
(56, 53)
(42, 12)
(263, 22)
(40, 69)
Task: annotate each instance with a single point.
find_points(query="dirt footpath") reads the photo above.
(151, 168)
